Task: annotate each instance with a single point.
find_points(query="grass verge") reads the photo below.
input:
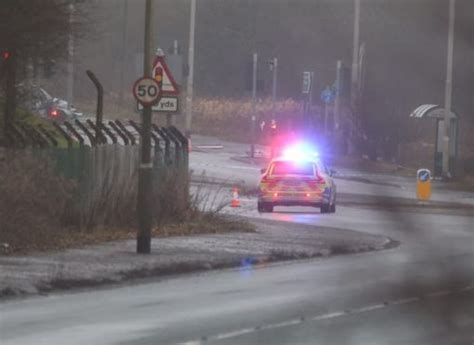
(368, 166)
(40, 210)
(60, 239)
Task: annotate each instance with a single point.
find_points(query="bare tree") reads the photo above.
(33, 32)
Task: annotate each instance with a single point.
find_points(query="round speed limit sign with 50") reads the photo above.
(147, 91)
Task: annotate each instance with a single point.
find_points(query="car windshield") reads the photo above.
(293, 168)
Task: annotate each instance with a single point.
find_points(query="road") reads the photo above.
(421, 292)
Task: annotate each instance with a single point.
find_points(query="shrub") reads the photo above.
(230, 118)
(33, 198)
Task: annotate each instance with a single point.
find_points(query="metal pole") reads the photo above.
(449, 88)
(100, 104)
(326, 116)
(355, 54)
(169, 119)
(124, 49)
(274, 85)
(254, 105)
(310, 98)
(175, 47)
(70, 61)
(144, 204)
(338, 92)
(189, 91)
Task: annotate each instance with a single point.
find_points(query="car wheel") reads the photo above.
(264, 207)
(325, 208)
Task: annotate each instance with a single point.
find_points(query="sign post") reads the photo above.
(338, 94)
(327, 96)
(306, 82)
(306, 90)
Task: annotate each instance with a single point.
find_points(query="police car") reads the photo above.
(297, 178)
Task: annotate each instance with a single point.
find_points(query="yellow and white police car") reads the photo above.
(297, 178)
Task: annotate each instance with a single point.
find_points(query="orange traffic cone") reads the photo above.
(235, 202)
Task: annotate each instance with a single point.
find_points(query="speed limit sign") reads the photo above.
(147, 91)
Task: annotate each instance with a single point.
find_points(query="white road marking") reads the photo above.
(369, 308)
(439, 293)
(233, 334)
(405, 301)
(283, 324)
(327, 316)
(467, 288)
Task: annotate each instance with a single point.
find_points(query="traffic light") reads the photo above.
(6, 54)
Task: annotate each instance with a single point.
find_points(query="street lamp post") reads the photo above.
(274, 68)
(355, 54)
(189, 90)
(70, 58)
(254, 105)
(449, 88)
(355, 70)
(124, 49)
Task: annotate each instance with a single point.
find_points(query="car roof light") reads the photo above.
(300, 153)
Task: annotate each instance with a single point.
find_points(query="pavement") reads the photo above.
(116, 262)
(419, 292)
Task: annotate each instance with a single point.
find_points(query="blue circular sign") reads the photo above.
(423, 175)
(327, 96)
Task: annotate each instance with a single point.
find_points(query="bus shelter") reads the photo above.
(435, 113)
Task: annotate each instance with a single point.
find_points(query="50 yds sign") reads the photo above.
(147, 91)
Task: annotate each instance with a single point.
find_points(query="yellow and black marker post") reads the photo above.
(423, 184)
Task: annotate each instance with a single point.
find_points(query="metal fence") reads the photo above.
(103, 163)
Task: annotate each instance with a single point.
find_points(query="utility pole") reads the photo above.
(144, 204)
(254, 105)
(449, 88)
(70, 60)
(124, 49)
(189, 91)
(338, 93)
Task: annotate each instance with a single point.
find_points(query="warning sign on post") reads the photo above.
(163, 76)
